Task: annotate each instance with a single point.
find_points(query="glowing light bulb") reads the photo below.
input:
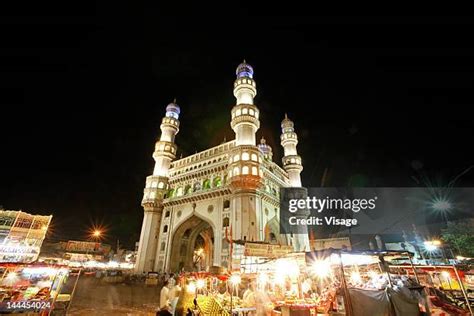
(235, 279)
(322, 268)
(191, 288)
(200, 283)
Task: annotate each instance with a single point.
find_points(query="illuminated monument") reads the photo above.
(191, 204)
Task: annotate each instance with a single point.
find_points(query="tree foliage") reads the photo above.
(460, 235)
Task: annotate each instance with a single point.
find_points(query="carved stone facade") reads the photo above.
(193, 205)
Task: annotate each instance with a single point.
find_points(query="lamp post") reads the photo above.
(94, 234)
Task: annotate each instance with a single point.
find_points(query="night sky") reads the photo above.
(375, 101)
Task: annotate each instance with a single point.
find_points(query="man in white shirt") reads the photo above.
(173, 294)
(164, 300)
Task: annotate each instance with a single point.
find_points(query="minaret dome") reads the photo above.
(287, 125)
(244, 70)
(265, 149)
(173, 110)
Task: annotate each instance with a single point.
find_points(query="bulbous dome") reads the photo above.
(287, 123)
(173, 110)
(244, 70)
(265, 149)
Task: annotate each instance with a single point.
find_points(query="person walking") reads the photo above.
(165, 308)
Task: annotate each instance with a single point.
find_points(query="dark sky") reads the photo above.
(376, 101)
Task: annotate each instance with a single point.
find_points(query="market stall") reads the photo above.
(345, 277)
(325, 282)
(447, 287)
(30, 287)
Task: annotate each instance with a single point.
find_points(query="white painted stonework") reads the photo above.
(233, 187)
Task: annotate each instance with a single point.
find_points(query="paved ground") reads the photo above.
(98, 298)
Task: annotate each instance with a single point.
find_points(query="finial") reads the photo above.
(286, 116)
(174, 100)
(244, 61)
(263, 141)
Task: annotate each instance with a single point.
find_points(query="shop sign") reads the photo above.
(82, 246)
(17, 249)
(266, 250)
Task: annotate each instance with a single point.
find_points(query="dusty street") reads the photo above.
(97, 298)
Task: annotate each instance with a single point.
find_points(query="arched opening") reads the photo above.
(207, 184)
(217, 182)
(187, 233)
(273, 238)
(225, 222)
(197, 186)
(187, 189)
(193, 242)
(272, 232)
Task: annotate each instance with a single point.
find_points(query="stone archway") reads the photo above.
(272, 232)
(192, 247)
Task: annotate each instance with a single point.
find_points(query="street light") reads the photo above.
(433, 245)
(436, 242)
(95, 234)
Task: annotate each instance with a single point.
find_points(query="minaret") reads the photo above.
(245, 114)
(291, 160)
(292, 165)
(155, 189)
(245, 174)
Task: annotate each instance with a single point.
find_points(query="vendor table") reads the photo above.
(295, 311)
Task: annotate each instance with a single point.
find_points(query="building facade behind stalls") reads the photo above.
(194, 205)
(21, 235)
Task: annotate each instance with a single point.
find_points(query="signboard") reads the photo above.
(5, 249)
(326, 243)
(82, 246)
(266, 250)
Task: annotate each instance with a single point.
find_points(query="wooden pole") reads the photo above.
(413, 267)
(73, 291)
(461, 285)
(347, 297)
